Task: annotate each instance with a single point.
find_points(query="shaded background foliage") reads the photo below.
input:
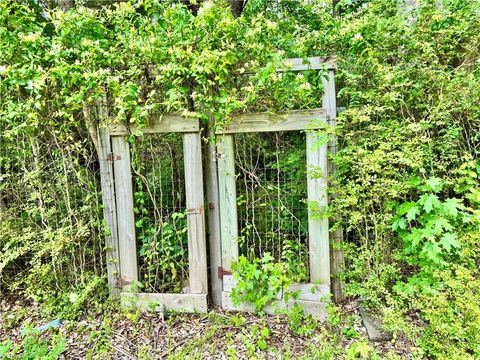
(409, 80)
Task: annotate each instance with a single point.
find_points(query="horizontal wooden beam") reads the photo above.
(283, 121)
(310, 63)
(166, 302)
(159, 123)
(305, 291)
(318, 309)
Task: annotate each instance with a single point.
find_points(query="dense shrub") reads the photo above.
(407, 169)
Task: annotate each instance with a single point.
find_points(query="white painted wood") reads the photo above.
(160, 123)
(228, 200)
(270, 122)
(213, 218)
(125, 214)
(337, 261)
(320, 292)
(166, 302)
(315, 308)
(197, 247)
(318, 228)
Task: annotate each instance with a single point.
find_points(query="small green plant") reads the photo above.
(258, 281)
(34, 346)
(299, 323)
(429, 230)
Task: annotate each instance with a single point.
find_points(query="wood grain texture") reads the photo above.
(125, 214)
(228, 200)
(165, 123)
(213, 218)
(318, 228)
(282, 121)
(166, 302)
(337, 260)
(197, 247)
(109, 212)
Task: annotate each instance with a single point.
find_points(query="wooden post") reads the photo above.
(228, 200)
(213, 213)
(109, 211)
(125, 215)
(336, 237)
(103, 146)
(319, 248)
(197, 252)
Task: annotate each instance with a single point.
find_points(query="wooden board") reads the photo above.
(166, 123)
(125, 215)
(337, 261)
(213, 217)
(166, 302)
(318, 227)
(228, 200)
(282, 121)
(197, 251)
(109, 212)
(320, 291)
(315, 308)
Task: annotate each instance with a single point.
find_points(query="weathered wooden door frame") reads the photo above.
(222, 202)
(119, 214)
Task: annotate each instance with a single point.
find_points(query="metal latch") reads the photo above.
(222, 272)
(192, 211)
(111, 157)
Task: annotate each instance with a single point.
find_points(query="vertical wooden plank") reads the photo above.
(227, 193)
(197, 250)
(213, 218)
(125, 214)
(318, 231)
(109, 212)
(337, 264)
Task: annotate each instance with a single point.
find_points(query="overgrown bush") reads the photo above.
(408, 76)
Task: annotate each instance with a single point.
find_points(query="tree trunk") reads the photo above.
(237, 6)
(65, 5)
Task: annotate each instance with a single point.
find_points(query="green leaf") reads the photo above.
(433, 184)
(429, 201)
(262, 344)
(449, 241)
(451, 206)
(412, 213)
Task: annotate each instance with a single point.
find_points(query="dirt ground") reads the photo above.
(216, 335)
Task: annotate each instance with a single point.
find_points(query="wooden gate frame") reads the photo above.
(116, 179)
(223, 224)
(117, 197)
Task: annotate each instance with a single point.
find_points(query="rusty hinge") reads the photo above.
(121, 282)
(222, 272)
(192, 211)
(217, 155)
(111, 157)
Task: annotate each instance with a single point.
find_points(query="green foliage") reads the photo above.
(64, 75)
(258, 281)
(34, 346)
(299, 323)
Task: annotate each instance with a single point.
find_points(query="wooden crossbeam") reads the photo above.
(282, 121)
(166, 302)
(160, 123)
